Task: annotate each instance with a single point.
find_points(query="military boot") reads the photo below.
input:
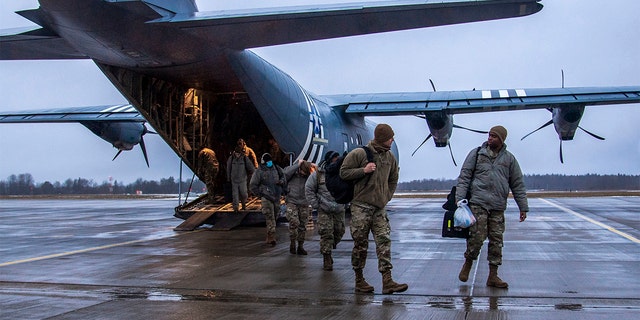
(466, 268)
(389, 286)
(271, 239)
(494, 280)
(301, 250)
(361, 284)
(292, 247)
(327, 261)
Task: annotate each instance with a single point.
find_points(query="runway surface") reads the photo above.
(574, 258)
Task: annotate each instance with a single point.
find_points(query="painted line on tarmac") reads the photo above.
(598, 223)
(68, 253)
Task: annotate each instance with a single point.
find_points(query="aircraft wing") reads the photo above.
(120, 113)
(34, 43)
(250, 28)
(457, 102)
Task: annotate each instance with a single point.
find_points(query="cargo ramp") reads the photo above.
(219, 214)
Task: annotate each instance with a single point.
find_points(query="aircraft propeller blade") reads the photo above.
(117, 154)
(561, 159)
(544, 125)
(425, 140)
(591, 134)
(432, 85)
(472, 130)
(452, 158)
(144, 150)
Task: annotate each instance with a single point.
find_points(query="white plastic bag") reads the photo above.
(463, 217)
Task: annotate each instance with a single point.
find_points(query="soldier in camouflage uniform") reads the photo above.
(496, 171)
(208, 167)
(268, 182)
(375, 183)
(330, 213)
(297, 205)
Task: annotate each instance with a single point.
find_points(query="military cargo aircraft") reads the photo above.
(192, 77)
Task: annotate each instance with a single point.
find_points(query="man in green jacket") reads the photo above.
(489, 173)
(375, 183)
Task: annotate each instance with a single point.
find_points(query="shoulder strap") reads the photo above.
(475, 163)
(369, 153)
(473, 173)
(369, 159)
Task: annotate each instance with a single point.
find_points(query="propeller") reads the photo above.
(579, 127)
(144, 150)
(591, 133)
(441, 125)
(542, 126)
(452, 159)
(425, 140)
(142, 145)
(472, 130)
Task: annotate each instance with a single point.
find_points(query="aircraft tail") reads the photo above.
(283, 104)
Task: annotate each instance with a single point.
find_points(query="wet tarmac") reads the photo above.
(574, 258)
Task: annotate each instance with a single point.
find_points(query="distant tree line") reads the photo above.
(24, 184)
(552, 182)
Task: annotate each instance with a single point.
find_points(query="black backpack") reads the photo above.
(341, 190)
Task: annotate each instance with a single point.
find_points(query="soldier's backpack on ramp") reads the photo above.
(341, 190)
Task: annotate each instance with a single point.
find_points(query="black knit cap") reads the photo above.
(330, 155)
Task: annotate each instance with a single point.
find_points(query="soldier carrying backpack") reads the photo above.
(368, 213)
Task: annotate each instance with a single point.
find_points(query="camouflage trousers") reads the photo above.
(489, 224)
(270, 209)
(297, 216)
(331, 229)
(209, 179)
(363, 221)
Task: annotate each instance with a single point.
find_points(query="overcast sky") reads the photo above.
(594, 41)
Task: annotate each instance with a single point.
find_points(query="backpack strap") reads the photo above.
(368, 152)
(369, 159)
(473, 173)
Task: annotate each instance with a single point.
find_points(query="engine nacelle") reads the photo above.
(440, 126)
(566, 120)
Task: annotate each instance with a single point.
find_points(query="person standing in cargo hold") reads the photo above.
(208, 167)
(330, 213)
(375, 183)
(239, 167)
(247, 152)
(297, 205)
(496, 171)
(268, 183)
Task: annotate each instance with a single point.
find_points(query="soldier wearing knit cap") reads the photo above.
(383, 133)
(489, 172)
(500, 131)
(374, 184)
